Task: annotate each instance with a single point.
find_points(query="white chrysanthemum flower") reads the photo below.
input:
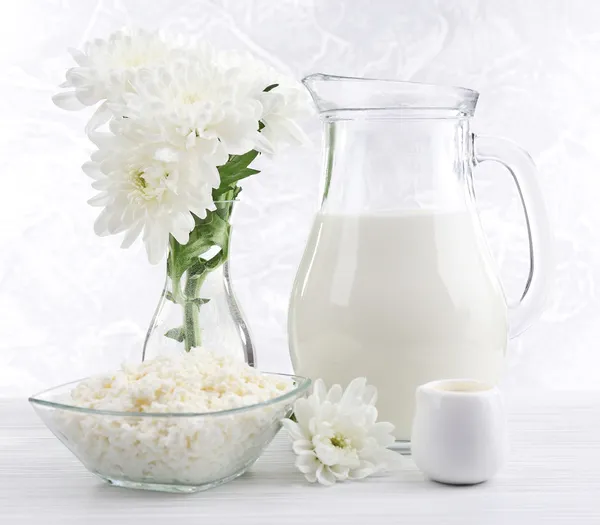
(283, 107)
(180, 122)
(336, 435)
(104, 68)
(177, 110)
(286, 102)
(148, 187)
(192, 105)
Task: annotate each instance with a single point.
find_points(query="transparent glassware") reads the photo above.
(168, 452)
(397, 282)
(197, 306)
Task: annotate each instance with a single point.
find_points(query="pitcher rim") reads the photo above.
(447, 97)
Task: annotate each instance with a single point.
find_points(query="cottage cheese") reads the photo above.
(174, 450)
(198, 381)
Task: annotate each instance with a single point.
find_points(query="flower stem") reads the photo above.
(191, 312)
(172, 271)
(186, 263)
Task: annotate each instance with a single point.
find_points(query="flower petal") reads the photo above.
(264, 145)
(353, 393)
(101, 223)
(102, 140)
(389, 459)
(100, 117)
(319, 428)
(156, 241)
(328, 411)
(67, 100)
(92, 169)
(78, 56)
(303, 412)
(311, 477)
(87, 95)
(319, 390)
(366, 469)
(340, 472)
(335, 394)
(327, 453)
(132, 234)
(102, 199)
(293, 429)
(296, 132)
(303, 447)
(307, 464)
(369, 415)
(325, 476)
(102, 184)
(382, 432)
(370, 395)
(181, 229)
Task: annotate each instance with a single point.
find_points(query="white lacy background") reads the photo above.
(72, 303)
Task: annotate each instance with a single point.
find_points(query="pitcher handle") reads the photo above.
(520, 165)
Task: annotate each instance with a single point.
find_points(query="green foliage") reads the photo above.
(176, 333)
(235, 170)
(192, 259)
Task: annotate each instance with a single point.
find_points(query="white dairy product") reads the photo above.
(400, 299)
(198, 381)
(179, 450)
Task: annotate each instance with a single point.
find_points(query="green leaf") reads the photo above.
(238, 176)
(269, 88)
(234, 170)
(234, 165)
(176, 333)
(237, 162)
(196, 270)
(197, 245)
(170, 297)
(214, 229)
(226, 193)
(199, 301)
(211, 231)
(216, 261)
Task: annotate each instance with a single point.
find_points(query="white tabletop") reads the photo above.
(553, 477)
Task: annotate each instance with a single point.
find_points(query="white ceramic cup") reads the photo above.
(459, 431)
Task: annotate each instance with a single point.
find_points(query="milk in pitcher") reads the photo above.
(401, 299)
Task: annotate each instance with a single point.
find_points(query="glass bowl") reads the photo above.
(172, 452)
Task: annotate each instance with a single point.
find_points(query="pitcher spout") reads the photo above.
(332, 94)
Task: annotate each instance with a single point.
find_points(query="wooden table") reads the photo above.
(553, 477)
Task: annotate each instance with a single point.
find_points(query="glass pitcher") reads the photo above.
(397, 283)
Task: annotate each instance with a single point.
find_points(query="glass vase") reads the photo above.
(197, 307)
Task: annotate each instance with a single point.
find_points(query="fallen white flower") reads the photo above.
(336, 435)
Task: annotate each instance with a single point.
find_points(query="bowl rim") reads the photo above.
(303, 383)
